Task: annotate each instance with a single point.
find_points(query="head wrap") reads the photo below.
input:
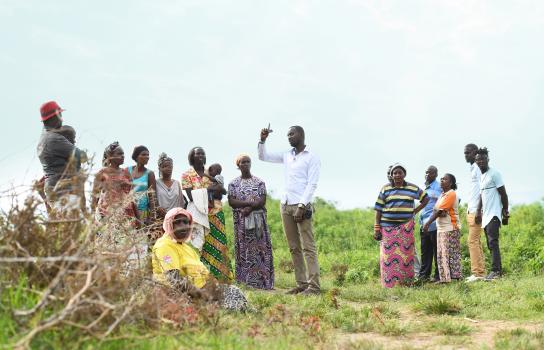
(395, 166)
(168, 223)
(239, 158)
(108, 152)
(137, 151)
(164, 158)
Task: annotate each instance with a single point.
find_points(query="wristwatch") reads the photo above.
(301, 206)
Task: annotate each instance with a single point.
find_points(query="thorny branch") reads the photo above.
(81, 274)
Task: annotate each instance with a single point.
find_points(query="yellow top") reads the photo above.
(169, 255)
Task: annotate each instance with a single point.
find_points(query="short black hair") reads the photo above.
(471, 146)
(298, 128)
(453, 180)
(191, 156)
(483, 151)
(137, 151)
(215, 165)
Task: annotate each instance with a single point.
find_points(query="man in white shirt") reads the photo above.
(494, 209)
(474, 217)
(301, 175)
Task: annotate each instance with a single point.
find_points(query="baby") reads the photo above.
(214, 174)
(69, 133)
(73, 180)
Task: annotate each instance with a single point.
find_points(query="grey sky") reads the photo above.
(372, 82)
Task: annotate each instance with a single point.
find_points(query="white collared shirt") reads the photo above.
(301, 173)
(474, 195)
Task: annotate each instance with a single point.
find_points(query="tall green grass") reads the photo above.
(344, 238)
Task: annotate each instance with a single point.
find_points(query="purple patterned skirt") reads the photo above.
(254, 261)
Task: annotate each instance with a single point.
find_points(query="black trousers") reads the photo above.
(492, 237)
(428, 253)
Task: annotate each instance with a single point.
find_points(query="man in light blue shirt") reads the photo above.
(428, 238)
(493, 207)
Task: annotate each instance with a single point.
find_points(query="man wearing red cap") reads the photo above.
(54, 150)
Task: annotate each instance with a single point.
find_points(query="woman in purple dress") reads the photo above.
(253, 249)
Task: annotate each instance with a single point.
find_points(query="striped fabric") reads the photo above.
(397, 203)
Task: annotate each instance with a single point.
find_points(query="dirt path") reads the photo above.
(483, 333)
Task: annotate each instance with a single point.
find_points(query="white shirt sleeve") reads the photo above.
(497, 179)
(313, 177)
(275, 157)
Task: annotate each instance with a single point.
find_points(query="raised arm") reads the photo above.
(272, 157)
(276, 157)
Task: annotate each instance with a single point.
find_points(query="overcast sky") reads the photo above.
(372, 82)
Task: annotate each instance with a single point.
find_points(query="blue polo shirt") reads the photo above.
(433, 191)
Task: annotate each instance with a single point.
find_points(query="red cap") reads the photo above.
(50, 109)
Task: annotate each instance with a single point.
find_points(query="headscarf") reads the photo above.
(395, 166)
(239, 158)
(164, 158)
(168, 223)
(108, 152)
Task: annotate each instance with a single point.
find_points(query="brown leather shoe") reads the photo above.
(296, 290)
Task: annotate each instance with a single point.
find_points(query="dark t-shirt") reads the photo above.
(54, 151)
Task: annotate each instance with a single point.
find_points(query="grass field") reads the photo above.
(354, 311)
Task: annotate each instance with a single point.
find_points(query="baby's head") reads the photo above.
(215, 169)
(68, 132)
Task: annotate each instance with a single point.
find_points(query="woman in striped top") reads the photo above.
(394, 227)
(448, 239)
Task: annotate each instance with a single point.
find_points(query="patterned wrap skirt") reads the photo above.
(448, 244)
(397, 254)
(215, 253)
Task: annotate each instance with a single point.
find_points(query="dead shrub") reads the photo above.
(91, 276)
